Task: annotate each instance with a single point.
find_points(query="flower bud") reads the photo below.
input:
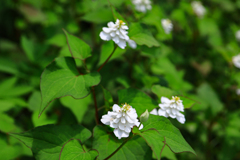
(144, 116)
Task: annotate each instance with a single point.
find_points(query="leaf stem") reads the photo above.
(118, 148)
(163, 147)
(95, 104)
(115, 47)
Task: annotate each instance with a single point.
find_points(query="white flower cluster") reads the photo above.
(122, 119)
(117, 32)
(167, 25)
(142, 5)
(198, 8)
(238, 35)
(170, 108)
(236, 60)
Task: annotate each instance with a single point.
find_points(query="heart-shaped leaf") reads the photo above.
(46, 141)
(173, 136)
(61, 78)
(78, 48)
(73, 150)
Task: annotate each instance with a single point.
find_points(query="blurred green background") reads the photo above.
(195, 60)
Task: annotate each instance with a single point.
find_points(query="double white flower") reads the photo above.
(238, 35)
(142, 5)
(198, 8)
(117, 32)
(171, 108)
(122, 119)
(167, 25)
(236, 60)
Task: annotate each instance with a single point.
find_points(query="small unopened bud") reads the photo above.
(144, 116)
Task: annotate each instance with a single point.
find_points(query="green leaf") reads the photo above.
(8, 151)
(8, 66)
(98, 16)
(61, 78)
(145, 39)
(34, 101)
(137, 99)
(57, 40)
(43, 120)
(6, 105)
(78, 106)
(106, 144)
(161, 91)
(73, 150)
(172, 135)
(187, 103)
(208, 95)
(6, 123)
(153, 139)
(78, 48)
(28, 47)
(117, 15)
(46, 141)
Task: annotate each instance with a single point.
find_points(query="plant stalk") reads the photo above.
(95, 104)
(115, 47)
(118, 148)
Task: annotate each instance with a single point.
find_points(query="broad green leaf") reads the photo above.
(6, 123)
(78, 106)
(8, 151)
(106, 144)
(43, 120)
(187, 102)
(16, 91)
(153, 139)
(98, 16)
(145, 39)
(5, 105)
(137, 99)
(57, 40)
(161, 91)
(208, 95)
(73, 150)
(34, 101)
(61, 78)
(46, 141)
(28, 47)
(78, 48)
(8, 66)
(173, 136)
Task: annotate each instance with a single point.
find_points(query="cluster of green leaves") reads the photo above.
(185, 63)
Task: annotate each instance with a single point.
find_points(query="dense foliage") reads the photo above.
(56, 81)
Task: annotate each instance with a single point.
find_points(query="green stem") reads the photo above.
(115, 47)
(95, 105)
(118, 148)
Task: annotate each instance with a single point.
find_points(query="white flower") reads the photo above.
(170, 108)
(122, 119)
(117, 32)
(238, 35)
(238, 91)
(167, 25)
(142, 5)
(198, 8)
(236, 60)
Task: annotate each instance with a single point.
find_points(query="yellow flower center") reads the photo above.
(121, 23)
(126, 107)
(176, 99)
